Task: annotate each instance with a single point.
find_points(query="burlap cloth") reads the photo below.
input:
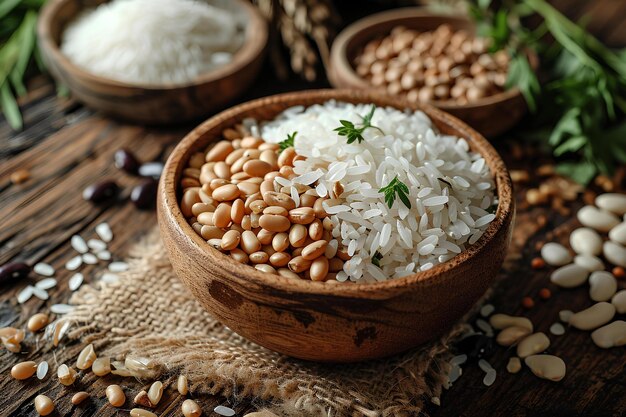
(149, 313)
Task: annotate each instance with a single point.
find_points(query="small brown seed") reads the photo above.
(314, 250)
(155, 392)
(142, 399)
(190, 197)
(265, 236)
(316, 230)
(257, 168)
(43, 405)
(79, 397)
(319, 268)
(299, 264)
(24, 370)
(115, 395)
(335, 265)
(259, 257)
(514, 365)
(274, 223)
(230, 240)
(182, 385)
(268, 269)
(138, 412)
(101, 366)
(298, 235)
(239, 256)
(249, 242)
(302, 215)
(286, 157)
(226, 192)
(280, 242)
(307, 200)
(86, 357)
(191, 409)
(320, 213)
(279, 199)
(237, 211)
(221, 217)
(220, 151)
(38, 322)
(280, 259)
(20, 176)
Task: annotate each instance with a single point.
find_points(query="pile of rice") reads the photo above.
(450, 188)
(154, 41)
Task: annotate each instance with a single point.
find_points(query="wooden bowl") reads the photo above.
(320, 321)
(152, 104)
(491, 115)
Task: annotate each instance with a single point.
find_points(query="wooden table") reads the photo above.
(66, 147)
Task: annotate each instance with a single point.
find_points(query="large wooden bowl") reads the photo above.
(149, 103)
(316, 320)
(491, 115)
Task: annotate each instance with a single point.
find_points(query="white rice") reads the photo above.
(450, 188)
(154, 41)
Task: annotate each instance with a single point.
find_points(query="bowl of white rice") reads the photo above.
(153, 61)
(333, 244)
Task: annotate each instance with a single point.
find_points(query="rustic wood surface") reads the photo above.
(66, 147)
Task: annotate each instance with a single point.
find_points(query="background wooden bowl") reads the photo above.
(491, 115)
(321, 321)
(152, 104)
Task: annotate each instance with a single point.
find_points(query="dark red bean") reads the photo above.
(13, 271)
(101, 191)
(143, 195)
(151, 169)
(126, 161)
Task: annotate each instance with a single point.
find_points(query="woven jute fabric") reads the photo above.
(150, 314)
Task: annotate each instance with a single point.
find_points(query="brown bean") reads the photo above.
(327, 224)
(221, 170)
(233, 156)
(279, 199)
(79, 397)
(286, 171)
(239, 177)
(267, 186)
(211, 232)
(238, 165)
(299, 264)
(24, 370)
(316, 230)
(271, 176)
(239, 256)
(298, 235)
(230, 134)
(249, 242)
(38, 322)
(248, 188)
(254, 220)
(274, 223)
(221, 217)
(258, 206)
(190, 197)
(43, 405)
(205, 197)
(276, 210)
(302, 215)
(198, 208)
(206, 218)
(280, 242)
(307, 200)
(257, 168)
(268, 269)
(115, 395)
(320, 213)
(237, 211)
(284, 272)
(279, 259)
(206, 173)
(250, 142)
(140, 412)
(188, 183)
(219, 151)
(226, 192)
(319, 269)
(86, 357)
(270, 157)
(246, 222)
(265, 236)
(286, 157)
(230, 240)
(314, 250)
(191, 409)
(259, 257)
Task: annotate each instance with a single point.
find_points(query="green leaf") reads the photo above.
(6, 6)
(573, 144)
(396, 187)
(581, 172)
(27, 35)
(289, 142)
(10, 108)
(376, 258)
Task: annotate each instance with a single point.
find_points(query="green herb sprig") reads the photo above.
(18, 49)
(287, 143)
(580, 109)
(396, 187)
(354, 133)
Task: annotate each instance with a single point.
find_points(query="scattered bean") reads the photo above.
(593, 317)
(514, 365)
(79, 397)
(144, 194)
(530, 345)
(569, 276)
(86, 357)
(619, 301)
(126, 161)
(13, 271)
(20, 176)
(101, 366)
(115, 395)
(101, 191)
(151, 169)
(24, 370)
(598, 219)
(586, 241)
(66, 375)
(191, 409)
(614, 253)
(43, 405)
(613, 202)
(546, 366)
(555, 254)
(611, 335)
(602, 286)
(139, 412)
(501, 321)
(511, 335)
(155, 392)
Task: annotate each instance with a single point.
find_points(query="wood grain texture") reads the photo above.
(316, 320)
(152, 104)
(596, 378)
(490, 116)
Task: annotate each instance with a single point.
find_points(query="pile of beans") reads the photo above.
(232, 198)
(442, 65)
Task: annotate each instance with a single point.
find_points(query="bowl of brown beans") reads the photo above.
(429, 58)
(259, 264)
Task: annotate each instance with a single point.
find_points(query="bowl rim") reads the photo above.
(339, 56)
(256, 35)
(169, 201)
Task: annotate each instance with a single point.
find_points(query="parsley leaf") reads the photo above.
(396, 187)
(353, 133)
(376, 258)
(287, 143)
